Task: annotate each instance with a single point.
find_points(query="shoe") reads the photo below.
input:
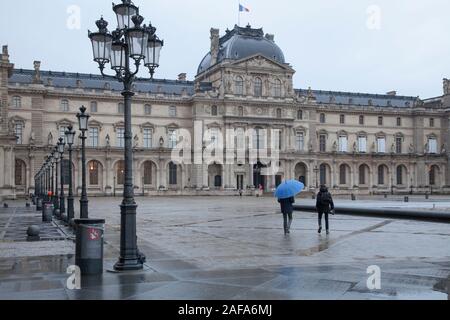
(320, 230)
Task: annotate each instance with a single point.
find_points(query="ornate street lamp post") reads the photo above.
(137, 42)
(62, 206)
(70, 136)
(83, 119)
(52, 175)
(56, 197)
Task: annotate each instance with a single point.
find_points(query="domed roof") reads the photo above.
(240, 43)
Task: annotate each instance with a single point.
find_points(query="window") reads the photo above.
(277, 88)
(16, 102)
(94, 107)
(18, 130)
(323, 174)
(361, 120)
(258, 139)
(362, 175)
(276, 139)
(64, 105)
(342, 119)
(398, 144)
(120, 137)
(172, 173)
(323, 143)
(432, 176)
(278, 113)
(362, 144)
(148, 173)
(148, 109)
(148, 137)
(172, 111)
(214, 138)
(258, 87)
(239, 86)
(62, 133)
(381, 143)
(343, 143)
(399, 122)
(120, 172)
(299, 141)
(299, 115)
(214, 110)
(322, 118)
(380, 121)
(93, 173)
(20, 173)
(241, 111)
(121, 108)
(399, 175)
(343, 174)
(173, 138)
(431, 122)
(381, 175)
(93, 137)
(432, 145)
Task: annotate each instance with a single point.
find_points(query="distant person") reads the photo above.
(287, 209)
(324, 205)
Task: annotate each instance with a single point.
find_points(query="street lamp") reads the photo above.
(62, 207)
(137, 42)
(56, 198)
(316, 171)
(52, 176)
(83, 119)
(70, 136)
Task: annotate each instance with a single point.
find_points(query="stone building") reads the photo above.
(353, 142)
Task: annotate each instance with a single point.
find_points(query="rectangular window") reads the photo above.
(323, 143)
(120, 135)
(380, 121)
(300, 141)
(343, 144)
(214, 138)
(432, 145)
(381, 142)
(172, 111)
(19, 133)
(64, 105)
(342, 119)
(148, 109)
(276, 139)
(148, 138)
(240, 139)
(94, 108)
(399, 122)
(361, 120)
(431, 122)
(398, 144)
(172, 138)
(16, 102)
(322, 118)
(121, 108)
(362, 144)
(93, 137)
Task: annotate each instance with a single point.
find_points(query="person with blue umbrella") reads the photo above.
(286, 193)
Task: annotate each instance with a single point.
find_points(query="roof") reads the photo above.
(97, 82)
(363, 99)
(240, 43)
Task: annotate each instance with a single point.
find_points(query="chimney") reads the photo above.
(392, 93)
(214, 45)
(37, 72)
(182, 77)
(270, 37)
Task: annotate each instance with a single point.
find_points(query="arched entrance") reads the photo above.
(301, 173)
(259, 180)
(215, 175)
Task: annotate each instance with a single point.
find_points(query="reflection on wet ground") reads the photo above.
(231, 248)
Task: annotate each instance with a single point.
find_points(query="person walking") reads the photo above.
(287, 209)
(324, 205)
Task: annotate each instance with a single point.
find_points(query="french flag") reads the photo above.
(243, 9)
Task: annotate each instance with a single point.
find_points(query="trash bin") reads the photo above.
(47, 212)
(89, 245)
(38, 204)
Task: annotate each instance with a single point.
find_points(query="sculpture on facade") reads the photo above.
(411, 148)
(446, 86)
(50, 139)
(108, 142)
(136, 141)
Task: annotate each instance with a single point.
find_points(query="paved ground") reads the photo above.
(234, 248)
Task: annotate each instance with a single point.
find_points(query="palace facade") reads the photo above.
(352, 142)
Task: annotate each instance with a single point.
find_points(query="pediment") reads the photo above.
(261, 62)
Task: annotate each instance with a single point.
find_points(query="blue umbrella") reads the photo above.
(289, 188)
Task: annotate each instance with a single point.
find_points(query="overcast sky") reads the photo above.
(345, 45)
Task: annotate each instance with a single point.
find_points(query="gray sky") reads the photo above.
(332, 44)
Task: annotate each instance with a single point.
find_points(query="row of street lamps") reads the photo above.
(47, 178)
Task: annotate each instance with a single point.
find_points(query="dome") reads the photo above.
(240, 43)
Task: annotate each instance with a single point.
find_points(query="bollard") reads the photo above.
(89, 245)
(39, 204)
(28, 205)
(47, 212)
(33, 233)
(5, 205)
(406, 199)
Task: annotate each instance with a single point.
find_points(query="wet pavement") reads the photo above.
(235, 248)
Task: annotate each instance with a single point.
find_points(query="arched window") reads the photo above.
(258, 87)
(94, 173)
(214, 110)
(20, 173)
(399, 175)
(148, 166)
(241, 111)
(433, 176)
(381, 175)
(239, 86)
(362, 174)
(278, 113)
(343, 174)
(172, 173)
(323, 174)
(277, 88)
(120, 172)
(299, 115)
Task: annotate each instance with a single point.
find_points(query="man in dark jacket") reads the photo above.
(324, 204)
(287, 209)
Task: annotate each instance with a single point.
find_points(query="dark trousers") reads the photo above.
(287, 224)
(321, 213)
